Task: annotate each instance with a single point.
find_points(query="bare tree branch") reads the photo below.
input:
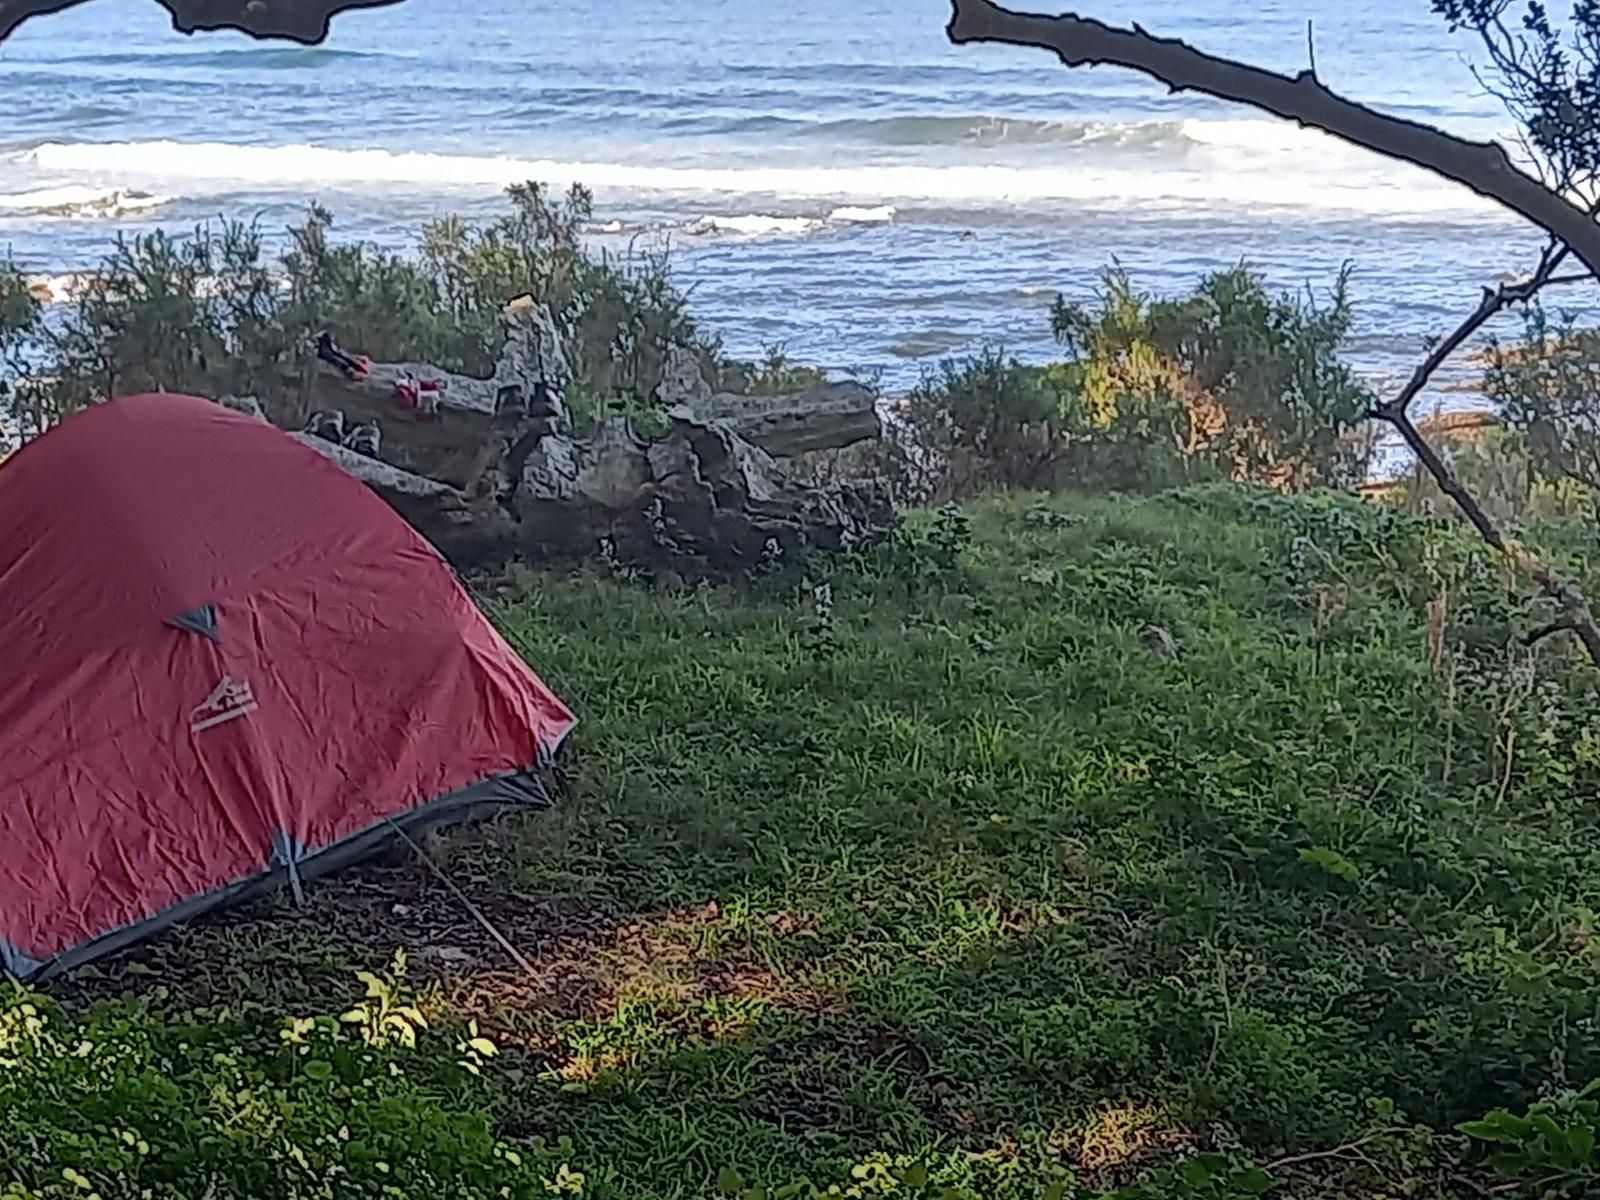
(1567, 594)
(1565, 591)
(1484, 167)
(1494, 299)
(1554, 627)
(295, 20)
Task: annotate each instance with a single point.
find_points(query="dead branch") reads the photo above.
(1493, 301)
(1483, 167)
(304, 21)
(1554, 627)
(1565, 591)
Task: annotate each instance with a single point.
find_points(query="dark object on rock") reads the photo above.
(365, 438)
(327, 425)
(1158, 641)
(353, 367)
(509, 401)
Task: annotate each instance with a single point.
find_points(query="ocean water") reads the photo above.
(830, 175)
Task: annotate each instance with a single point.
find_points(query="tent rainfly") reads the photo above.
(226, 664)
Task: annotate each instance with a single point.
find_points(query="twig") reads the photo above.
(1450, 722)
(1484, 167)
(1492, 302)
(1227, 1010)
(1511, 758)
(1349, 1148)
(1559, 587)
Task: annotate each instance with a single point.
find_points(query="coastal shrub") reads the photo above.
(1230, 382)
(1498, 469)
(20, 317)
(214, 312)
(1543, 386)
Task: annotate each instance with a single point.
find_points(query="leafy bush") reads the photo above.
(1552, 1150)
(213, 313)
(1228, 383)
(123, 1102)
(20, 317)
(775, 374)
(1544, 387)
(1498, 470)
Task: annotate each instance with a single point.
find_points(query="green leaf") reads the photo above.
(1581, 1140)
(484, 1047)
(730, 1181)
(1485, 1131)
(1555, 1137)
(1253, 1180)
(1195, 1173)
(318, 1069)
(915, 1176)
(1332, 862)
(1509, 1162)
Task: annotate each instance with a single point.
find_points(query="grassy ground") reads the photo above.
(942, 853)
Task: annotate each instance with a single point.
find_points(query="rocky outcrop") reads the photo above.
(700, 496)
(829, 417)
(491, 470)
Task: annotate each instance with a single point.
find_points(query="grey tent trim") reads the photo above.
(516, 789)
(15, 962)
(201, 619)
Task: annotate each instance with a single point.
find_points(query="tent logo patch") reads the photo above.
(229, 699)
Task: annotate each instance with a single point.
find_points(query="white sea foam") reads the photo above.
(77, 200)
(855, 215)
(1310, 176)
(753, 225)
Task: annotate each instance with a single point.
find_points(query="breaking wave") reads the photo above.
(753, 224)
(999, 131)
(1255, 168)
(883, 214)
(77, 201)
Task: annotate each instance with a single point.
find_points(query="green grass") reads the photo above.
(956, 868)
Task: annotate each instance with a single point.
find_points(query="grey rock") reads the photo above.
(829, 417)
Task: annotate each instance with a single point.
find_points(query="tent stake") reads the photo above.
(466, 901)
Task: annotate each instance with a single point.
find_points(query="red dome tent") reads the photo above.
(225, 663)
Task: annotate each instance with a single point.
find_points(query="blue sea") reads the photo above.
(827, 175)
